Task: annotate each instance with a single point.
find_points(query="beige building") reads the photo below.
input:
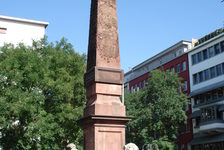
(17, 30)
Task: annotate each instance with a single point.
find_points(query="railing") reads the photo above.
(206, 122)
(210, 101)
(209, 36)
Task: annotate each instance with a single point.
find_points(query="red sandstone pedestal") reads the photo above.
(104, 132)
(104, 115)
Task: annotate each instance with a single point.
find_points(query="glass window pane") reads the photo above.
(206, 72)
(217, 49)
(214, 95)
(184, 66)
(220, 93)
(219, 70)
(172, 70)
(199, 55)
(222, 46)
(178, 68)
(211, 51)
(185, 85)
(143, 84)
(212, 72)
(202, 99)
(194, 59)
(197, 100)
(223, 68)
(205, 54)
(201, 76)
(208, 97)
(195, 78)
(140, 85)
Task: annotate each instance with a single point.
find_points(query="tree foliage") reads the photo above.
(158, 110)
(41, 95)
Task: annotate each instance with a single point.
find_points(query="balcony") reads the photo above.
(212, 127)
(209, 120)
(210, 97)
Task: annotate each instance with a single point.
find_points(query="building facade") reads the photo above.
(206, 72)
(17, 30)
(173, 59)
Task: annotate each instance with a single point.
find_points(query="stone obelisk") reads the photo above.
(104, 115)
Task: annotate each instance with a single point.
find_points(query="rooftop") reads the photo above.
(45, 24)
(158, 55)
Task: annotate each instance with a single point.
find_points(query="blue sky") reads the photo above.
(146, 27)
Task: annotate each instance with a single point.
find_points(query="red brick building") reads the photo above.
(174, 59)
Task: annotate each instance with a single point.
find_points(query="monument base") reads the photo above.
(104, 132)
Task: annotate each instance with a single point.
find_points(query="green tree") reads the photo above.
(41, 95)
(158, 111)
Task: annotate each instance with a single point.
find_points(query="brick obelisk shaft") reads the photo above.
(104, 115)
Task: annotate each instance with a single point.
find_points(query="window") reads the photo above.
(197, 122)
(143, 84)
(3, 30)
(195, 78)
(208, 97)
(178, 68)
(172, 70)
(180, 52)
(140, 85)
(136, 87)
(201, 76)
(194, 59)
(132, 89)
(223, 68)
(182, 147)
(184, 66)
(222, 46)
(199, 55)
(206, 73)
(196, 100)
(202, 99)
(211, 52)
(205, 54)
(219, 70)
(185, 86)
(220, 93)
(214, 95)
(217, 49)
(188, 146)
(208, 113)
(186, 108)
(212, 72)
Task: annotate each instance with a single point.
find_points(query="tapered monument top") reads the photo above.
(104, 115)
(103, 50)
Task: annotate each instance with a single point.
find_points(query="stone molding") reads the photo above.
(101, 119)
(104, 75)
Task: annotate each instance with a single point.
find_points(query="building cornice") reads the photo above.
(45, 24)
(168, 50)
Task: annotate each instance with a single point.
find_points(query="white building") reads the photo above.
(206, 72)
(17, 30)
